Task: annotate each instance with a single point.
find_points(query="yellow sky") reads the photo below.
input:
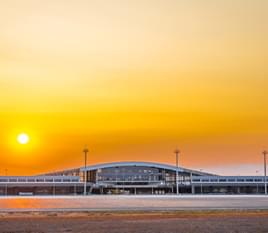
(133, 79)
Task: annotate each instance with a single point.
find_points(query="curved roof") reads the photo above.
(143, 164)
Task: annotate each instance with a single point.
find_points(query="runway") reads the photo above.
(133, 203)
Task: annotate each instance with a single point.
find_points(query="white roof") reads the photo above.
(143, 164)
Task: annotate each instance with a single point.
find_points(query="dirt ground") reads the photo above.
(134, 222)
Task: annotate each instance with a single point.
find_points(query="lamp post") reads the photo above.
(177, 170)
(6, 182)
(85, 172)
(265, 182)
(257, 182)
(201, 184)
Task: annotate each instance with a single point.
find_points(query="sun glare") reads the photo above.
(23, 138)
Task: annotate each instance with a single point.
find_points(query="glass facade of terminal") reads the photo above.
(130, 178)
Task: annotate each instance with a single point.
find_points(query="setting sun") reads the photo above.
(133, 79)
(23, 138)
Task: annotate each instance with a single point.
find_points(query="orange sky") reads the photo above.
(134, 79)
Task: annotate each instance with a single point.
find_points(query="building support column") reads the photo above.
(74, 189)
(53, 190)
(193, 189)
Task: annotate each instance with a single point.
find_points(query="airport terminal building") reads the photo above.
(130, 178)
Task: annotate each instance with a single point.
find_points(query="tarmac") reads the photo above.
(132, 203)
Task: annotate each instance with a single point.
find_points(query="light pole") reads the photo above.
(201, 184)
(177, 170)
(265, 182)
(85, 172)
(257, 182)
(6, 182)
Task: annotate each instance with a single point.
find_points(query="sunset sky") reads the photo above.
(134, 79)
